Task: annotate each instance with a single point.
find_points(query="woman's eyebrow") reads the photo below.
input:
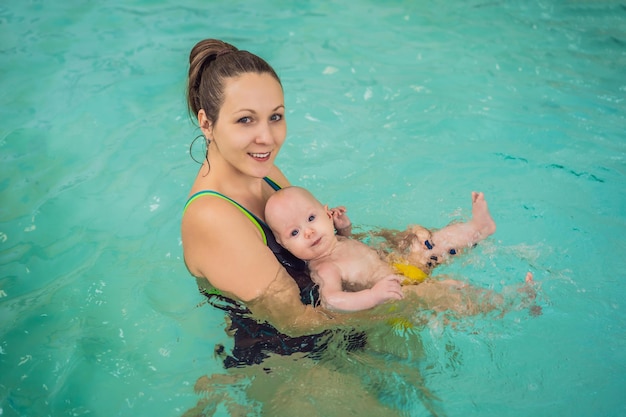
(254, 112)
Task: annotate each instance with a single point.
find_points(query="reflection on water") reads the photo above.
(383, 378)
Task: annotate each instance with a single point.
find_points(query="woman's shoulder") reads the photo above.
(278, 177)
(214, 231)
(209, 209)
(203, 202)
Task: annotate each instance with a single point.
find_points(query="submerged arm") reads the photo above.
(280, 305)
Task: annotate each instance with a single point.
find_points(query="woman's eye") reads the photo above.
(312, 217)
(244, 120)
(276, 117)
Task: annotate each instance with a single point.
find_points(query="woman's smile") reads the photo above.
(261, 156)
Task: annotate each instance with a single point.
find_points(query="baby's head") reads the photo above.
(300, 222)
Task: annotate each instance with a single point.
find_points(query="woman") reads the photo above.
(239, 104)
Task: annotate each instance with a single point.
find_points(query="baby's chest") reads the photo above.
(363, 272)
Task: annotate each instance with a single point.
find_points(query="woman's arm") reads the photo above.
(222, 245)
(280, 306)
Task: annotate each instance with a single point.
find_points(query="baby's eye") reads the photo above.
(312, 217)
(294, 233)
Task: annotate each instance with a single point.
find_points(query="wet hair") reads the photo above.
(211, 63)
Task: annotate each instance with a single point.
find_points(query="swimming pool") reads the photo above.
(397, 110)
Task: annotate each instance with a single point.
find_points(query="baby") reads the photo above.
(351, 275)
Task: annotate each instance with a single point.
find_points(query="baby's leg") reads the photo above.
(455, 296)
(458, 236)
(462, 235)
(466, 300)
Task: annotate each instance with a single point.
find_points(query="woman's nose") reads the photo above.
(264, 134)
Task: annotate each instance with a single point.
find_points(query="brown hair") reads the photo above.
(211, 62)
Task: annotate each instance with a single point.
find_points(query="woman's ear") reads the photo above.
(205, 124)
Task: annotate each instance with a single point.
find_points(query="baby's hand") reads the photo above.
(388, 288)
(340, 218)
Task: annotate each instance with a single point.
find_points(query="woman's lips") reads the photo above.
(261, 156)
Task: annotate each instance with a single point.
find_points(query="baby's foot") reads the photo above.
(531, 294)
(481, 217)
(529, 278)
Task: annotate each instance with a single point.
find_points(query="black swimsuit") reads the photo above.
(254, 340)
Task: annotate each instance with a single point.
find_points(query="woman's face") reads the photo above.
(251, 124)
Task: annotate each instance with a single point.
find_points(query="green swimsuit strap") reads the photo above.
(272, 183)
(251, 216)
(254, 219)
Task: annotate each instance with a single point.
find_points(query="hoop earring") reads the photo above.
(206, 152)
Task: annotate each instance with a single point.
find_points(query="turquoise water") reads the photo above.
(396, 109)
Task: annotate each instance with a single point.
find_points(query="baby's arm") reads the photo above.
(342, 222)
(334, 297)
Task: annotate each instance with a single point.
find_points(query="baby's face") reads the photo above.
(302, 225)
